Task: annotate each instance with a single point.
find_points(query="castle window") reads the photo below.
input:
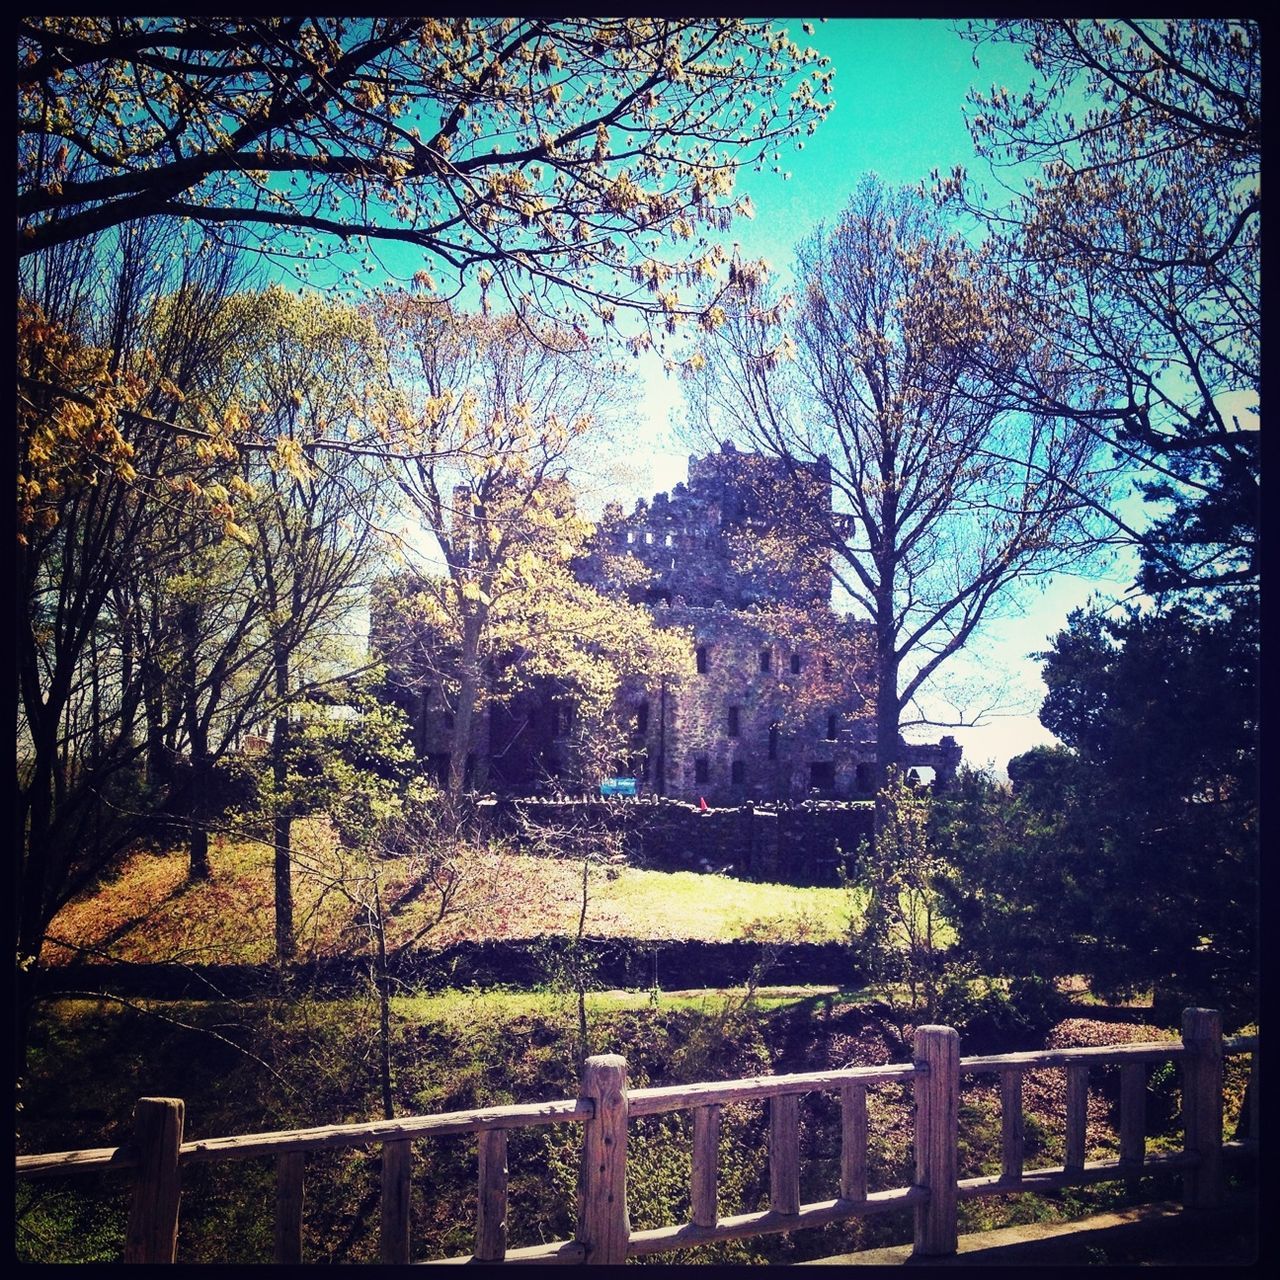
(669, 540)
(701, 769)
(795, 664)
(738, 773)
(642, 717)
(648, 536)
(701, 658)
(734, 722)
(766, 659)
(822, 775)
(631, 536)
(831, 727)
(773, 742)
(862, 777)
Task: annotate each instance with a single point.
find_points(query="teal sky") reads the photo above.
(899, 90)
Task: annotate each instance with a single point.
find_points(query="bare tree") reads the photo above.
(92, 501)
(1132, 240)
(302, 369)
(890, 372)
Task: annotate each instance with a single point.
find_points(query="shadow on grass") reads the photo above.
(81, 954)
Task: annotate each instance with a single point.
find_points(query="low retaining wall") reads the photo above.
(800, 844)
(525, 962)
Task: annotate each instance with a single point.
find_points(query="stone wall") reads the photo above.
(634, 963)
(800, 844)
(695, 542)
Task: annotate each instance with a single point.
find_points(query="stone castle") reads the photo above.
(778, 701)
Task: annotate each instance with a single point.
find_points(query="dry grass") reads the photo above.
(149, 912)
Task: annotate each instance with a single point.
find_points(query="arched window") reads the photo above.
(701, 657)
(766, 659)
(795, 664)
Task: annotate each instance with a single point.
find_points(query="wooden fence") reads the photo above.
(157, 1152)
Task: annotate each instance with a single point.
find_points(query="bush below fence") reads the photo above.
(800, 844)
(606, 1104)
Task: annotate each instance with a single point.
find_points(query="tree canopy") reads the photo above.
(1130, 854)
(892, 374)
(485, 420)
(546, 159)
(1134, 246)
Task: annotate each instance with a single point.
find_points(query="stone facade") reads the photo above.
(778, 698)
(752, 721)
(697, 542)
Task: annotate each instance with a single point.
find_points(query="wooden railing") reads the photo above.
(157, 1153)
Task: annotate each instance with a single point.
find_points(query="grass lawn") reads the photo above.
(149, 911)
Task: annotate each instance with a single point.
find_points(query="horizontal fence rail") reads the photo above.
(156, 1153)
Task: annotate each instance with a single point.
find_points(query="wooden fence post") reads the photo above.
(1247, 1124)
(1202, 1106)
(152, 1233)
(397, 1167)
(491, 1207)
(1012, 1125)
(784, 1153)
(853, 1142)
(604, 1227)
(937, 1093)
(289, 1170)
(704, 1166)
(1077, 1116)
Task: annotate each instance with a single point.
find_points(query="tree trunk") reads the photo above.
(383, 988)
(282, 824)
(199, 839)
(198, 806)
(888, 748)
(197, 744)
(35, 816)
(579, 968)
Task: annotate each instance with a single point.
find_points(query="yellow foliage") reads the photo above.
(68, 419)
